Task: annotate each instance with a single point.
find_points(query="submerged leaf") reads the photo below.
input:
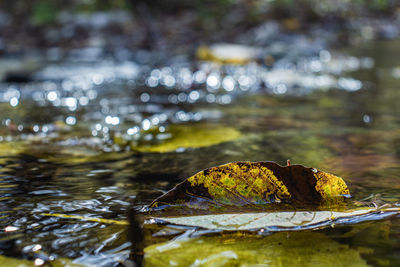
(84, 218)
(277, 221)
(280, 249)
(189, 136)
(243, 183)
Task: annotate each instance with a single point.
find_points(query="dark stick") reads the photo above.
(136, 237)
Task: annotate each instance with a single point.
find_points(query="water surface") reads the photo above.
(72, 147)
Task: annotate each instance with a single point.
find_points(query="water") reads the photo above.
(82, 146)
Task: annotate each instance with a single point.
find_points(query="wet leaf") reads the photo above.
(188, 136)
(248, 183)
(12, 148)
(277, 221)
(228, 53)
(279, 249)
(84, 218)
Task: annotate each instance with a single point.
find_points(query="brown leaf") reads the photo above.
(244, 183)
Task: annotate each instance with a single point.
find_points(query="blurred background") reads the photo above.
(106, 102)
(179, 26)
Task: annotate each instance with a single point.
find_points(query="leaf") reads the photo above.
(12, 148)
(84, 218)
(187, 136)
(228, 53)
(244, 183)
(278, 221)
(241, 249)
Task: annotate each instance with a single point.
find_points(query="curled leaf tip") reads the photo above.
(330, 186)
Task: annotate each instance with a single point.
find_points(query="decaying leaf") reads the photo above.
(278, 221)
(244, 183)
(241, 249)
(84, 218)
(188, 136)
(12, 148)
(228, 53)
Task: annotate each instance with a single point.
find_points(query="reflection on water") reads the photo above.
(64, 146)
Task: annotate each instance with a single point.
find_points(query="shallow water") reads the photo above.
(73, 149)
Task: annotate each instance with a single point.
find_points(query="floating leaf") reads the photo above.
(12, 148)
(280, 249)
(188, 136)
(278, 221)
(228, 53)
(244, 183)
(84, 218)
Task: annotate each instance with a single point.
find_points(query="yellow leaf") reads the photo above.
(84, 218)
(225, 53)
(244, 183)
(190, 136)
